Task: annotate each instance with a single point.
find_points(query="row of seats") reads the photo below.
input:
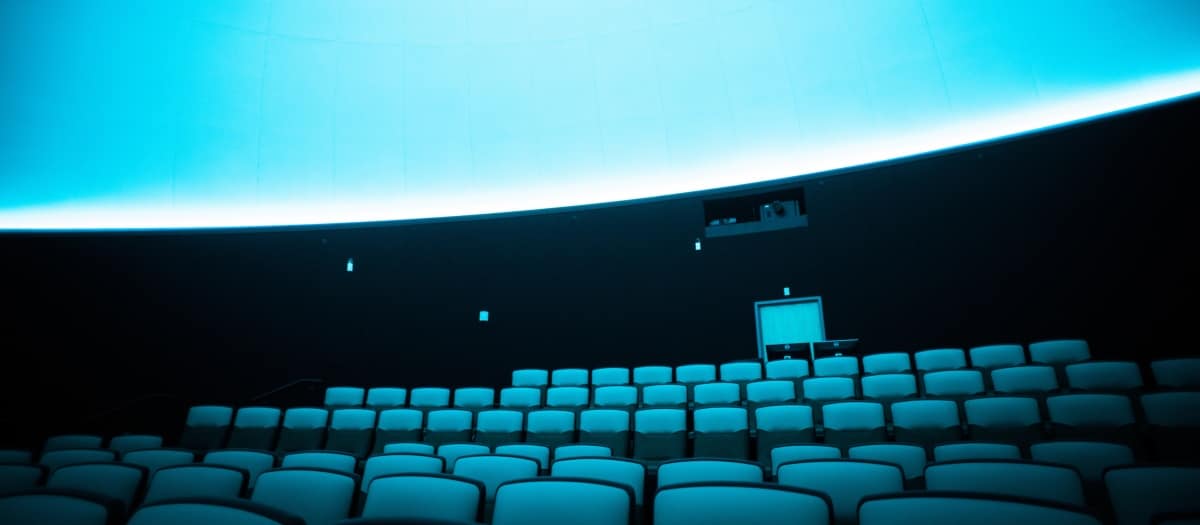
(1169, 373)
(990, 356)
(1089, 457)
(476, 488)
(590, 502)
(1095, 376)
(570, 387)
(1170, 418)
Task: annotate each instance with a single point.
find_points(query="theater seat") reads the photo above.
(748, 503)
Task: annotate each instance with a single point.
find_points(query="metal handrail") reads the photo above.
(288, 386)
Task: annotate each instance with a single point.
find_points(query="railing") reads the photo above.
(309, 383)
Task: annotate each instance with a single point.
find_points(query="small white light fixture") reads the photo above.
(350, 264)
(483, 316)
(787, 291)
(697, 244)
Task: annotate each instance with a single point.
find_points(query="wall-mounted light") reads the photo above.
(787, 291)
(483, 316)
(350, 264)
(697, 244)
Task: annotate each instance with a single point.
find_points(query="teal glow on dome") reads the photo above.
(150, 114)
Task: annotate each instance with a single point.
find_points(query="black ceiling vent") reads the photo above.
(759, 212)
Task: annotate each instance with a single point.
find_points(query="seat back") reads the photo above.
(792, 453)
(741, 371)
(452, 451)
(1172, 409)
(997, 356)
(567, 397)
(538, 453)
(1041, 481)
(328, 496)
(922, 414)
(320, 459)
(1059, 351)
(205, 427)
(756, 503)
(569, 377)
(973, 451)
(719, 393)
(1104, 376)
(698, 470)
(1138, 493)
(385, 397)
(1090, 458)
(203, 511)
(303, 429)
(131, 442)
(652, 375)
(448, 425)
(888, 363)
(494, 469)
(520, 397)
(836, 366)
(495, 427)
(255, 427)
(823, 389)
(119, 481)
(196, 481)
(617, 470)
(59, 458)
(254, 462)
(853, 415)
(70, 441)
(909, 457)
(531, 377)
(721, 432)
(344, 397)
(1090, 410)
(425, 496)
(550, 427)
(953, 383)
(696, 373)
(610, 376)
(351, 431)
(16, 477)
(1176, 373)
(1001, 412)
(11, 456)
(940, 359)
(606, 427)
(952, 508)
(664, 396)
(617, 396)
(563, 500)
(581, 451)
(660, 433)
(889, 386)
(791, 369)
(845, 481)
(409, 448)
(156, 458)
(429, 397)
(771, 391)
(400, 463)
(60, 506)
(474, 398)
(1028, 379)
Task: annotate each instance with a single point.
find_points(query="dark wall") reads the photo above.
(1079, 232)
